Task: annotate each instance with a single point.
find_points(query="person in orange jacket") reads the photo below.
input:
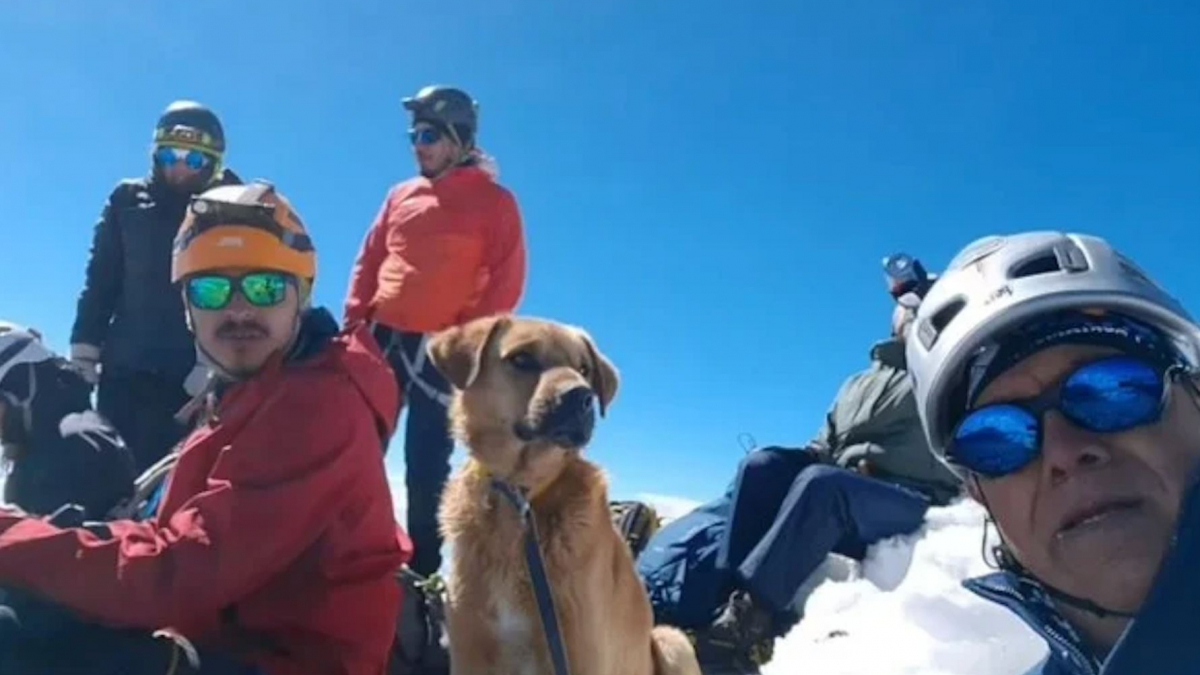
(274, 548)
(447, 247)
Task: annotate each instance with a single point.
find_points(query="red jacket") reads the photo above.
(440, 253)
(279, 508)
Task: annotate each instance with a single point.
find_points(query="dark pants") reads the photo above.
(34, 645)
(142, 407)
(427, 441)
(789, 512)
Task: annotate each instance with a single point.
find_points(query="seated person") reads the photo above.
(730, 571)
(63, 461)
(872, 426)
(58, 450)
(1069, 403)
(274, 548)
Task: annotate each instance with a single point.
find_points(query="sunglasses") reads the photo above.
(1106, 396)
(425, 135)
(215, 291)
(167, 157)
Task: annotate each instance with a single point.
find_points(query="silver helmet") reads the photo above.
(997, 284)
(20, 345)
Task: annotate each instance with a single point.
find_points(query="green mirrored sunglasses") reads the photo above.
(215, 291)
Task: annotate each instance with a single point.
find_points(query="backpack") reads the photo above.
(636, 522)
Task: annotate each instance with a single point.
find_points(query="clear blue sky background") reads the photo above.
(708, 187)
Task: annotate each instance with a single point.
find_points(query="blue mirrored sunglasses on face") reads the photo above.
(424, 136)
(1106, 396)
(167, 157)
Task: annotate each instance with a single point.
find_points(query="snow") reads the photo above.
(903, 610)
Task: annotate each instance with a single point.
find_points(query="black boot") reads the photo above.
(740, 639)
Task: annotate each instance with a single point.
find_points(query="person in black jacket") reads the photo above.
(56, 449)
(130, 336)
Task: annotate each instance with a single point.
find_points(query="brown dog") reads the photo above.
(525, 402)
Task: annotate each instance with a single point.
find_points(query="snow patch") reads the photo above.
(668, 507)
(903, 611)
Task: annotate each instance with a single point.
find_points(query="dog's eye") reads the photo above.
(525, 361)
(585, 371)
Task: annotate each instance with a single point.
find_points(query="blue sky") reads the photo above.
(707, 187)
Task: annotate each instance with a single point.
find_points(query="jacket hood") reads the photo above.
(359, 354)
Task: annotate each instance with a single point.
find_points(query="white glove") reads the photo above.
(196, 380)
(86, 361)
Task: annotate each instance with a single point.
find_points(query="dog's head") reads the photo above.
(527, 392)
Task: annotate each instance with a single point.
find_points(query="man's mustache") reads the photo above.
(241, 330)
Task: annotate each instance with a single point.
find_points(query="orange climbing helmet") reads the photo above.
(250, 226)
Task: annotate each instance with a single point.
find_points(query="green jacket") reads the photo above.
(874, 418)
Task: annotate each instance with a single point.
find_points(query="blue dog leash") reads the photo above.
(537, 573)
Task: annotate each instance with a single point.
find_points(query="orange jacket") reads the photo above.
(440, 253)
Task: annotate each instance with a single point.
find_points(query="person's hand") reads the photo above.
(85, 359)
(864, 467)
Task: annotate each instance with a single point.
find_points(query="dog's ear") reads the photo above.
(603, 373)
(458, 352)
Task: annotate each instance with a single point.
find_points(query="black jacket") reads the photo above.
(129, 308)
(61, 451)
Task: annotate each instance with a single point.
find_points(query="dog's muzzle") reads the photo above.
(568, 424)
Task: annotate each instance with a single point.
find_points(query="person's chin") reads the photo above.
(1118, 560)
(242, 360)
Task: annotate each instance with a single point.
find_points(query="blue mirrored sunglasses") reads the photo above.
(424, 135)
(167, 156)
(1110, 395)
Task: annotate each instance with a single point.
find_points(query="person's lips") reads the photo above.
(1096, 513)
(243, 333)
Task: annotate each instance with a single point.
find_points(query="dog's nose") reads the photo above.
(571, 421)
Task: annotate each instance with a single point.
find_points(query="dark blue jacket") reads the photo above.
(678, 566)
(1026, 598)
(129, 307)
(1161, 640)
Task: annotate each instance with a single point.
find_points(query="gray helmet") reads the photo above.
(996, 284)
(191, 124)
(446, 105)
(18, 346)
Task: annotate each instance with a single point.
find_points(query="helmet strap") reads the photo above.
(18, 414)
(1190, 383)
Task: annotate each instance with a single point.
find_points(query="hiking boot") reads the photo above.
(720, 659)
(742, 636)
(742, 622)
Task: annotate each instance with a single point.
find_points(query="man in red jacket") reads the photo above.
(447, 247)
(274, 547)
